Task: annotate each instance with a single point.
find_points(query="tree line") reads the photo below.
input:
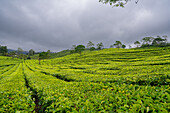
(159, 41)
(19, 53)
(153, 42)
(145, 42)
(91, 46)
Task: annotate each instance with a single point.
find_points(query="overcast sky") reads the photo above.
(58, 24)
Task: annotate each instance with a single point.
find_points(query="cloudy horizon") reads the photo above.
(57, 25)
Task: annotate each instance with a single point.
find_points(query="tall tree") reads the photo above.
(49, 53)
(147, 40)
(31, 52)
(79, 49)
(157, 41)
(90, 44)
(19, 51)
(43, 55)
(100, 46)
(123, 46)
(3, 49)
(118, 44)
(137, 43)
(166, 38)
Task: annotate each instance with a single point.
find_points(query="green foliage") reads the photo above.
(147, 40)
(109, 80)
(8, 60)
(92, 48)
(158, 41)
(113, 64)
(14, 95)
(123, 46)
(137, 43)
(19, 51)
(79, 48)
(116, 3)
(31, 52)
(153, 42)
(72, 51)
(90, 44)
(43, 55)
(3, 50)
(22, 56)
(118, 44)
(100, 46)
(49, 52)
(94, 97)
(12, 53)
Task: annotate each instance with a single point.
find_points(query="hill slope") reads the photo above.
(113, 63)
(110, 80)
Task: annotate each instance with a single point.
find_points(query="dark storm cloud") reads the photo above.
(57, 25)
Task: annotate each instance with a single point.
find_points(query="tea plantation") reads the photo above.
(109, 80)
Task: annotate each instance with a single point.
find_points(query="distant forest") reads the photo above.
(146, 42)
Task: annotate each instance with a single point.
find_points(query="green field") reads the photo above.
(109, 80)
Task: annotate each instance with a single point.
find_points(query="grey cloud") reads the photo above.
(57, 25)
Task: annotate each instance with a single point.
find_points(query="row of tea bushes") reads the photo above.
(14, 95)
